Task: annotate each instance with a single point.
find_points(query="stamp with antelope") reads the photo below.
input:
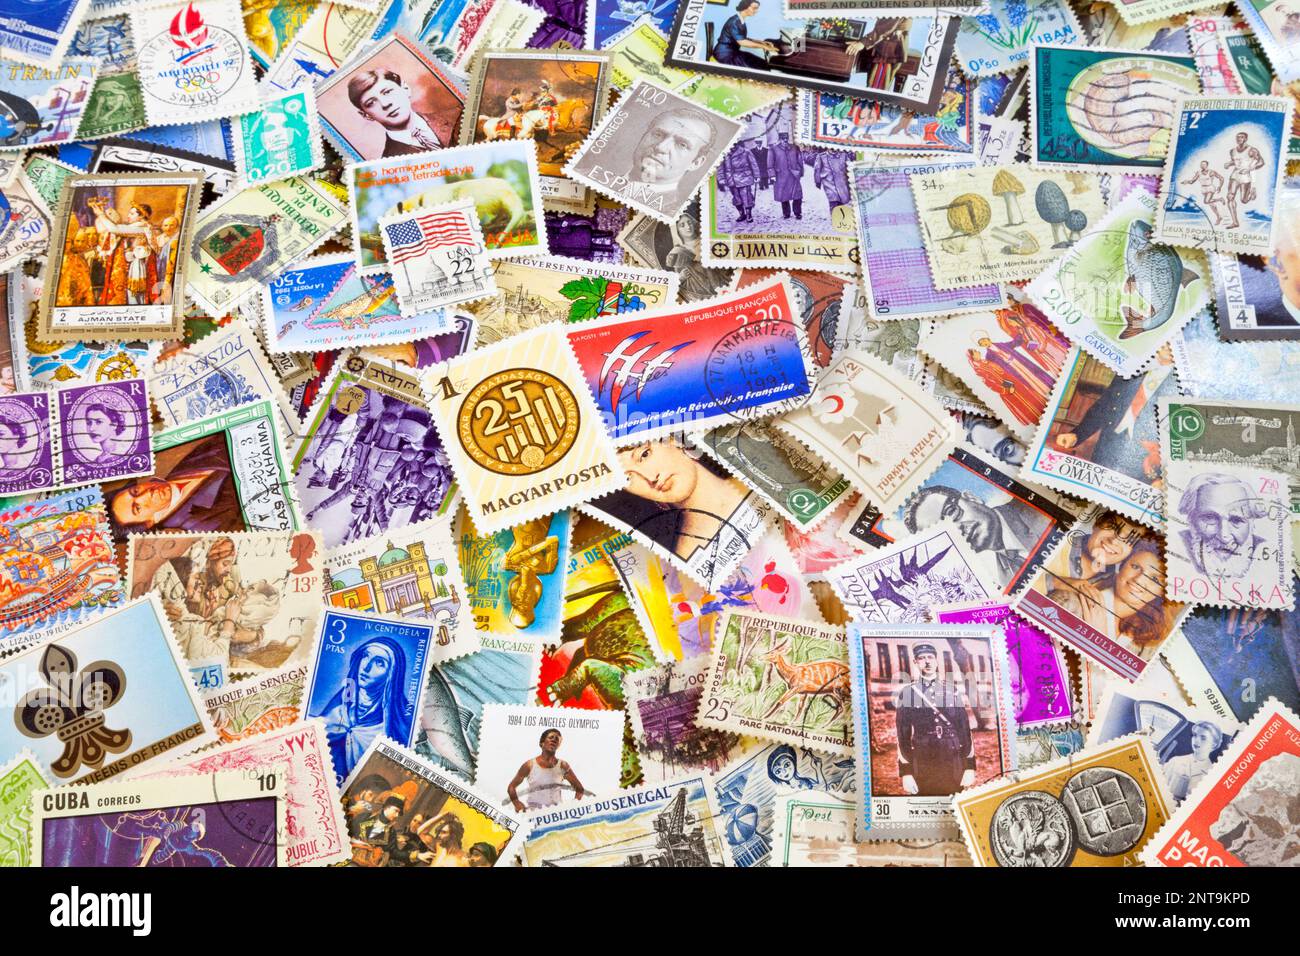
(781, 679)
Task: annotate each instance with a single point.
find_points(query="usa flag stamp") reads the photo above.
(437, 256)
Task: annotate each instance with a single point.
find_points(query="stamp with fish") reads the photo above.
(1094, 809)
(257, 704)
(1118, 294)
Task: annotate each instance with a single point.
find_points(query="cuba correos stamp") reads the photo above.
(521, 433)
(779, 678)
(221, 818)
(1004, 38)
(193, 61)
(950, 729)
(146, 708)
(1094, 809)
(437, 257)
(883, 434)
(238, 603)
(20, 777)
(279, 139)
(1224, 173)
(653, 151)
(134, 229)
(978, 225)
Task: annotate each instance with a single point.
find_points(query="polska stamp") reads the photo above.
(38, 107)
(1260, 299)
(737, 356)
(951, 727)
(279, 139)
(1004, 38)
(223, 818)
(20, 777)
(671, 824)
(514, 578)
(1105, 109)
(1093, 809)
(193, 61)
(257, 704)
(437, 257)
(1223, 173)
(238, 604)
(883, 434)
(118, 257)
(109, 695)
(509, 209)
(817, 830)
(1234, 816)
(1103, 593)
(653, 151)
(403, 811)
(522, 434)
(779, 678)
(1123, 323)
(976, 231)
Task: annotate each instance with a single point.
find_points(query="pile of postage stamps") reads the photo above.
(673, 433)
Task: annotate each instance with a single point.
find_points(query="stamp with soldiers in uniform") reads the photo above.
(934, 709)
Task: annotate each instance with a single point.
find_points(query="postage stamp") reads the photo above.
(893, 61)
(220, 818)
(20, 777)
(1210, 367)
(279, 139)
(1258, 299)
(1103, 593)
(637, 53)
(607, 21)
(366, 679)
(898, 283)
(193, 61)
(737, 356)
(773, 190)
(125, 155)
(1099, 437)
(848, 123)
(43, 33)
(26, 232)
(1086, 113)
(441, 254)
(370, 458)
(779, 678)
(882, 433)
(238, 604)
(552, 97)
(320, 46)
(1229, 533)
(257, 704)
(390, 100)
(1094, 809)
(116, 265)
(1273, 25)
(403, 811)
(675, 247)
(523, 435)
(532, 758)
(116, 105)
(648, 826)
(653, 151)
(966, 244)
(45, 105)
(500, 177)
(1246, 137)
(1137, 12)
(1041, 693)
(146, 708)
(1123, 323)
(828, 306)
(514, 578)
(816, 829)
(950, 729)
(454, 30)
(1002, 39)
(244, 240)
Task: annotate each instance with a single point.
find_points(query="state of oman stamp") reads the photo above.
(934, 706)
(779, 678)
(523, 434)
(1094, 809)
(279, 139)
(437, 257)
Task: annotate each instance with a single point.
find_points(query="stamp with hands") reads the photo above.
(1224, 172)
(816, 829)
(932, 703)
(257, 704)
(780, 678)
(38, 112)
(437, 257)
(217, 818)
(1123, 323)
(1095, 809)
(145, 708)
(522, 441)
(281, 138)
(238, 604)
(20, 777)
(134, 228)
(977, 230)
(1258, 299)
(653, 151)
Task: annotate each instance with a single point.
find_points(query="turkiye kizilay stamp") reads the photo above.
(522, 431)
(437, 257)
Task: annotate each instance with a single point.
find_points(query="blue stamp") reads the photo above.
(39, 31)
(1209, 367)
(608, 18)
(43, 106)
(366, 682)
(1000, 40)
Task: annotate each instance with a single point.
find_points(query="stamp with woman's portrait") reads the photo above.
(104, 431)
(118, 262)
(280, 139)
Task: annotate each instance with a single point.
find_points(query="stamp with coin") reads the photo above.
(523, 433)
(279, 139)
(1098, 808)
(437, 257)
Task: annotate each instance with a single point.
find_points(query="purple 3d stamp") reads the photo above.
(26, 451)
(1040, 683)
(104, 432)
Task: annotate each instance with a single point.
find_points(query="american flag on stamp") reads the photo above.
(416, 236)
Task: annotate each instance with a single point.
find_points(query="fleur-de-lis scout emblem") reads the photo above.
(73, 708)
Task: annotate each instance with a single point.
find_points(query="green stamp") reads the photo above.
(116, 106)
(280, 140)
(19, 779)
